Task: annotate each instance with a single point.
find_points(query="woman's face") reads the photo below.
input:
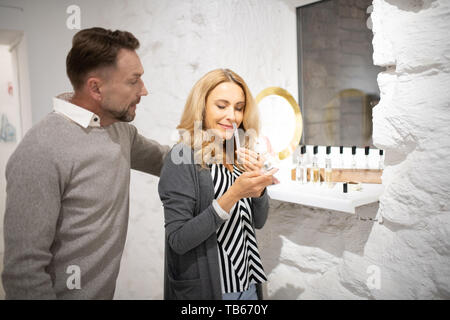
(225, 105)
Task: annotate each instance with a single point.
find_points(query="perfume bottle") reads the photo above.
(301, 166)
(381, 160)
(296, 155)
(341, 157)
(366, 152)
(354, 157)
(295, 159)
(262, 148)
(315, 177)
(328, 167)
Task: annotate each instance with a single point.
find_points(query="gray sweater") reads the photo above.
(67, 207)
(191, 258)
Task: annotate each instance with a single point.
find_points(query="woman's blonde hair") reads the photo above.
(195, 110)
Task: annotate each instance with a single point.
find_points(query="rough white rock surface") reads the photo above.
(411, 123)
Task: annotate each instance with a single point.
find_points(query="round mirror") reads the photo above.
(281, 120)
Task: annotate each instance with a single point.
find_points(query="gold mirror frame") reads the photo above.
(298, 117)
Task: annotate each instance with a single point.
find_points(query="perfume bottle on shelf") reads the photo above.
(301, 166)
(296, 156)
(328, 167)
(315, 175)
(381, 160)
(366, 152)
(354, 157)
(341, 157)
(295, 159)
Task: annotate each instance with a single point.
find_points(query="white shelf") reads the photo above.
(324, 197)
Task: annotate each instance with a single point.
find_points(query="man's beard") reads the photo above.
(123, 115)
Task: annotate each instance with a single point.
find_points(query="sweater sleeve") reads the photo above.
(33, 201)
(147, 155)
(184, 231)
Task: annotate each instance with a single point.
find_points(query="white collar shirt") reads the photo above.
(79, 115)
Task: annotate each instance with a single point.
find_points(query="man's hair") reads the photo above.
(96, 48)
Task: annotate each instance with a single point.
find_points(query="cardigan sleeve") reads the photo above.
(260, 209)
(184, 229)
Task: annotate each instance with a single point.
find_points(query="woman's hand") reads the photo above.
(247, 185)
(250, 160)
(251, 184)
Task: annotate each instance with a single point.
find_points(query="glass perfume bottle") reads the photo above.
(315, 176)
(301, 166)
(296, 155)
(341, 157)
(328, 167)
(263, 149)
(381, 160)
(366, 152)
(295, 159)
(354, 157)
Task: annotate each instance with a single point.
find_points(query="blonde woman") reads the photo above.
(212, 205)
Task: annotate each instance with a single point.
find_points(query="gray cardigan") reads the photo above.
(186, 190)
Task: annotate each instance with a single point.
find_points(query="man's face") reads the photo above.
(123, 87)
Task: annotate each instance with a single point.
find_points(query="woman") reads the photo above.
(211, 206)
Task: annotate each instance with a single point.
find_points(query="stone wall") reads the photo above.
(411, 122)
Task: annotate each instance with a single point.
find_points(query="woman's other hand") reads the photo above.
(250, 160)
(248, 185)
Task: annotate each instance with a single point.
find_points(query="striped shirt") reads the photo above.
(239, 260)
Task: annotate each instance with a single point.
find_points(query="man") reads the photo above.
(68, 180)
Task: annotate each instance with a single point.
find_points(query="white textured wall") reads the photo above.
(411, 122)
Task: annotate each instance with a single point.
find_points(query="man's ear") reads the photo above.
(93, 86)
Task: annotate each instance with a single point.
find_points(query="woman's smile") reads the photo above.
(226, 127)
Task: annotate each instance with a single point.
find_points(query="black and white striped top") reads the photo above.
(239, 260)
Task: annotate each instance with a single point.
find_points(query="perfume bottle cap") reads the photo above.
(328, 149)
(303, 150)
(341, 149)
(381, 152)
(354, 150)
(316, 148)
(366, 150)
(345, 187)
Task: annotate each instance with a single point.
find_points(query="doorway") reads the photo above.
(15, 111)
